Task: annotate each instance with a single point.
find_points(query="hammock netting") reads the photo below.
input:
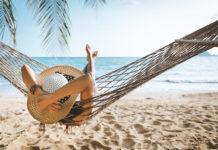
(114, 85)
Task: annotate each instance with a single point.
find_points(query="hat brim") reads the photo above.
(47, 116)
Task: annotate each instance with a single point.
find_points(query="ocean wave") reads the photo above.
(190, 81)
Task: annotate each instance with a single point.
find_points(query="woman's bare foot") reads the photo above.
(90, 55)
(94, 54)
(88, 52)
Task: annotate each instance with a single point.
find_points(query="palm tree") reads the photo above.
(52, 16)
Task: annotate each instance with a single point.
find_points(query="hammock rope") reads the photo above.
(214, 43)
(114, 85)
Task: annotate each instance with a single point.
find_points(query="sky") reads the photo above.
(119, 28)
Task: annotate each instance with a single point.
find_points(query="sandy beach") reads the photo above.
(159, 57)
(187, 121)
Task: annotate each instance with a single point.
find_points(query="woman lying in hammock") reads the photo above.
(84, 85)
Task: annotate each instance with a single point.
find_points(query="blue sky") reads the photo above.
(120, 28)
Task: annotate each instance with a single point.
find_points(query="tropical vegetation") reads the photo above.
(52, 16)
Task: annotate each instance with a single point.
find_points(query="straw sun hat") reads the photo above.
(45, 116)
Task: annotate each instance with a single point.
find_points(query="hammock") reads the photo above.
(114, 85)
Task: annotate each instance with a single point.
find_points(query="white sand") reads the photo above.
(182, 122)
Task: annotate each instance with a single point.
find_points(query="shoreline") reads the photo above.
(187, 121)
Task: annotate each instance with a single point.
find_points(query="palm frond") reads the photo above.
(53, 16)
(94, 3)
(7, 19)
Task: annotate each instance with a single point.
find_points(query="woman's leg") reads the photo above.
(84, 96)
(90, 67)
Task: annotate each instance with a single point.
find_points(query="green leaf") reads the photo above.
(53, 17)
(7, 19)
(94, 3)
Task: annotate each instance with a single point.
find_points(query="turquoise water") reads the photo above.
(103, 64)
(197, 74)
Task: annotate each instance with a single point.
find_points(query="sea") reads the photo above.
(198, 74)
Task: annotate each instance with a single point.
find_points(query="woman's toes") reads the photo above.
(94, 54)
(88, 49)
(88, 46)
